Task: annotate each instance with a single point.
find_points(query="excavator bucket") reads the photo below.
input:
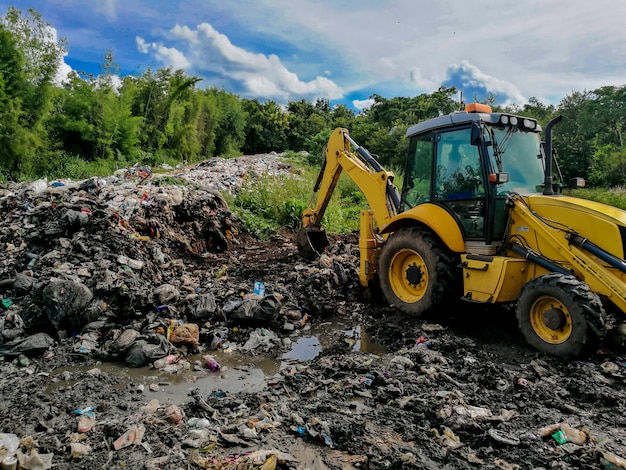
(311, 241)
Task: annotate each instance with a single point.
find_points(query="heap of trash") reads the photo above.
(134, 267)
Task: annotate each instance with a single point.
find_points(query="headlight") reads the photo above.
(504, 119)
(529, 123)
(513, 120)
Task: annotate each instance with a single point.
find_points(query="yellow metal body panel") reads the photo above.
(494, 279)
(541, 223)
(593, 220)
(434, 217)
(369, 248)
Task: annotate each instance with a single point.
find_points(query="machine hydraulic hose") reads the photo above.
(585, 244)
(538, 259)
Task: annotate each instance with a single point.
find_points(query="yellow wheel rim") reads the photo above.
(551, 320)
(408, 276)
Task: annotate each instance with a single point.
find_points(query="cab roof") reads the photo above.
(470, 115)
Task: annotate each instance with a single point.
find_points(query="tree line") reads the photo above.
(163, 115)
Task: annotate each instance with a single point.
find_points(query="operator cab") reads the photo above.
(468, 162)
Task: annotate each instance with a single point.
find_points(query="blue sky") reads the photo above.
(347, 50)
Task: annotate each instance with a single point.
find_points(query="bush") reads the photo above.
(269, 203)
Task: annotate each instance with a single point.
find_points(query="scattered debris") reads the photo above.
(112, 289)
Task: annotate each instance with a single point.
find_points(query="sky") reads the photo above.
(348, 50)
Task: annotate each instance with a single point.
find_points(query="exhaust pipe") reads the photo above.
(547, 182)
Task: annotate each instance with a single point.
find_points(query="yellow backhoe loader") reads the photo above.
(480, 217)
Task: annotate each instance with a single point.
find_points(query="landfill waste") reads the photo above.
(115, 291)
(86, 419)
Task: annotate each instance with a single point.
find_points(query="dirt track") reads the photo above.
(458, 389)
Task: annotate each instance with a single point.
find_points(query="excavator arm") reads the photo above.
(577, 256)
(372, 179)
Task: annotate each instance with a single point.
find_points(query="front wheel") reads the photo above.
(559, 315)
(417, 272)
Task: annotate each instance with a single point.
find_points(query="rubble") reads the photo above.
(153, 272)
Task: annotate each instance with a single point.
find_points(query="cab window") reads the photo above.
(458, 175)
(418, 171)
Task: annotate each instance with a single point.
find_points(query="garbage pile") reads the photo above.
(137, 266)
(142, 269)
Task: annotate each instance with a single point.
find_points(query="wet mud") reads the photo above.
(323, 375)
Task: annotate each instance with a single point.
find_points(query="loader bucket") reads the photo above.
(311, 241)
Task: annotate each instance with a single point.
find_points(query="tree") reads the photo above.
(16, 140)
(538, 110)
(341, 116)
(28, 43)
(72, 121)
(266, 127)
(159, 94)
(231, 122)
(305, 120)
(608, 167)
(573, 137)
(38, 42)
(608, 106)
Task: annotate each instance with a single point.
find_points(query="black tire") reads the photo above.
(417, 273)
(559, 315)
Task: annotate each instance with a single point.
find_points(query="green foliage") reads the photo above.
(269, 203)
(615, 197)
(290, 213)
(59, 165)
(29, 57)
(229, 125)
(315, 146)
(266, 127)
(161, 116)
(608, 168)
(305, 119)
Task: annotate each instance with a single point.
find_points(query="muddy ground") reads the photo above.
(457, 389)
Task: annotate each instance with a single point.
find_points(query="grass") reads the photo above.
(62, 165)
(267, 203)
(615, 197)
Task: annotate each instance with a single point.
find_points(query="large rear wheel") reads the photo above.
(559, 315)
(417, 272)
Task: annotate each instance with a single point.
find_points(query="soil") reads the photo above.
(454, 389)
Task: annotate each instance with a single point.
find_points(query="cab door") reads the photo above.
(459, 180)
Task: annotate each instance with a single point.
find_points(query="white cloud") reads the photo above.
(517, 49)
(170, 56)
(142, 45)
(362, 105)
(107, 8)
(472, 81)
(210, 53)
(62, 74)
(544, 48)
(416, 77)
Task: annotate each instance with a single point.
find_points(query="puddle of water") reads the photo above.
(238, 372)
(304, 349)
